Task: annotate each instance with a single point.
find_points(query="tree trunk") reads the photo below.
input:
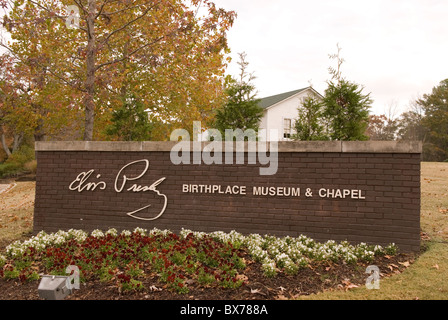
(4, 144)
(89, 102)
(39, 133)
(18, 138)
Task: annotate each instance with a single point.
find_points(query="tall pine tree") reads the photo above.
(346, 107)
(131, 121)
(242, 110)
(309, 125)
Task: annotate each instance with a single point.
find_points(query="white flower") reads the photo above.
(272, 252)
(126, 233)
(140, 231)
(378, 249)
(269, 268)
(112, 232)
(97, 233)
(184, 233)
(78, 235)
(156, 231)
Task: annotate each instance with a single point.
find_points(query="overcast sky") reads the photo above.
(396, 49)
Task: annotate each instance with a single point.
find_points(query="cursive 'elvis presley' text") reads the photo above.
(122, 183)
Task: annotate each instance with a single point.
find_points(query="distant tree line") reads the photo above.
(426, 121)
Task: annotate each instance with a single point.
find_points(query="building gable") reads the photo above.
(271, 101)
(281, 111)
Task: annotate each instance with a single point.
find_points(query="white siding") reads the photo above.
(286, 109)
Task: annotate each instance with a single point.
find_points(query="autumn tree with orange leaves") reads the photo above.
(170, 54)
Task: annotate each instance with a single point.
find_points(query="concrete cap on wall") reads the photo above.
(281, 146)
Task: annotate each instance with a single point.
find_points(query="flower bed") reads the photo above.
(214, 259)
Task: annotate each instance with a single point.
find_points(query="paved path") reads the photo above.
(4, 187)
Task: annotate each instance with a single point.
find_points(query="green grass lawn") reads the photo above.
(426, 278)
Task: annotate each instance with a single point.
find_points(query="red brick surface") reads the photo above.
(389, 213)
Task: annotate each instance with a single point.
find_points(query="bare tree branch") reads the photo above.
(101, 8)
(71, 84)
(81, 6)
(127, 24)
(130, 54)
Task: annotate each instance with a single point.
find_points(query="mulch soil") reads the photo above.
(314, 279)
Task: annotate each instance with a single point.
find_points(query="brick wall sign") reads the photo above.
(355, 191)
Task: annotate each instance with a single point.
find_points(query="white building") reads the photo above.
(281, 110)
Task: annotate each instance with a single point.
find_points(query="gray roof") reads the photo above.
(270, 101)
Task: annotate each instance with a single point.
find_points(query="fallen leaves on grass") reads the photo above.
(346, 285)
(392, 266)
(424, 236)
